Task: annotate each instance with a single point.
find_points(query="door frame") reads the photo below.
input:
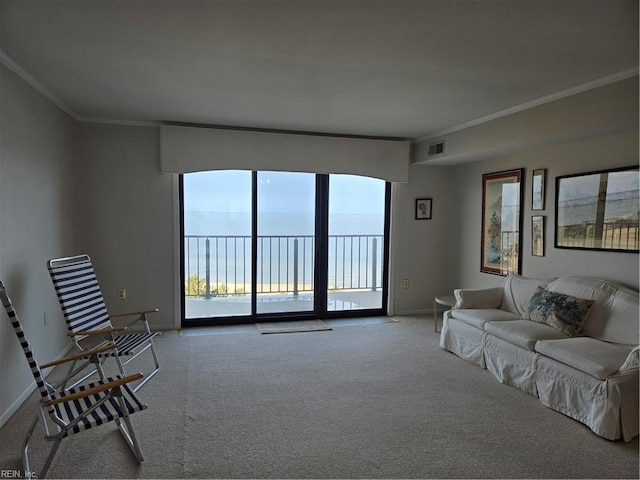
(321, 255)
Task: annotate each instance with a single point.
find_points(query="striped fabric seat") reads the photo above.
(127, 344)
(107, 412)
(84, 311)
(64, 412)
(80, 296)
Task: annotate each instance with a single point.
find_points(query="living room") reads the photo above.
(74, 179)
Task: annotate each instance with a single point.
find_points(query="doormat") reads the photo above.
(291, 327)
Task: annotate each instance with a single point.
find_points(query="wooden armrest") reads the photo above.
(130, 314)
(93, 390)
(97, 332)
(85, 354)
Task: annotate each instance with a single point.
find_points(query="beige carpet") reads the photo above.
(365, 400)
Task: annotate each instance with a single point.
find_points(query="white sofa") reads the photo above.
(590, 375)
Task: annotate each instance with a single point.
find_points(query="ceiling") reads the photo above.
(388, 68)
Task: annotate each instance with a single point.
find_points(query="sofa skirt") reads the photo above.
(462, 339)
(608, 407)
(511, 364)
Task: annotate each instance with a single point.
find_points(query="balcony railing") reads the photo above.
(619, 234)
(220, 265)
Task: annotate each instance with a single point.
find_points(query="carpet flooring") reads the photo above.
(378, 400)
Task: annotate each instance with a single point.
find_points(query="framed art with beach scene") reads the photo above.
(502, 222)
(598, 210)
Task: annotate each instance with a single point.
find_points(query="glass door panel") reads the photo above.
(217, 244)
(285, 253)
(355, 243)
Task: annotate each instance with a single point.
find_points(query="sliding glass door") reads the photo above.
(356, 243)
(217, 244)
(282, 245)
(286, 238)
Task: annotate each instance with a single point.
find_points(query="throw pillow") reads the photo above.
(563, 312)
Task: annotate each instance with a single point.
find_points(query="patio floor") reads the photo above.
(276, 303)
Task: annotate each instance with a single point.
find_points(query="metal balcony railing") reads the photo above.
(619, 234)
(220, 265)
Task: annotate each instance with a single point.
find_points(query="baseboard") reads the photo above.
(421, 312)
(4, 418)
(139, 327)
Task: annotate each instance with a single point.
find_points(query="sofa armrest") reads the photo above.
(632, 362)
(478, 298)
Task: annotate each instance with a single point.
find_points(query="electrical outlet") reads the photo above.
(405, 283)
(122, 293)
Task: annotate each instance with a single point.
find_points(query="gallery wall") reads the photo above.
(596, 154)
(608, 139)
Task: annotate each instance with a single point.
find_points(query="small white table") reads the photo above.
(447, 300)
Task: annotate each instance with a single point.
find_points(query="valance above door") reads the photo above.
(185, 149)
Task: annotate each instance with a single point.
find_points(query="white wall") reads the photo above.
(127, 215)
(38, 194)
(422, 250)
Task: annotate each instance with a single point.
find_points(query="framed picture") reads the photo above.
(501, 222)
(423, 209)
(537, 191)
(537, 236)
(598, 210)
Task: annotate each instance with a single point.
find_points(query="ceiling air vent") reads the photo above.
(436, 148)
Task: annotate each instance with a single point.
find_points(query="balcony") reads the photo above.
(218, 273)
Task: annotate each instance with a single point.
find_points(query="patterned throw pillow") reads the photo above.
(563, 312)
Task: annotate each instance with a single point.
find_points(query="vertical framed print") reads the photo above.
(537, 190)
(502, 222)
(537, 236)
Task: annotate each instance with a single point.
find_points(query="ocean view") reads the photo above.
(352, 263)
(227, 224)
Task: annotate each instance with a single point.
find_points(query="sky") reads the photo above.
(280, 192)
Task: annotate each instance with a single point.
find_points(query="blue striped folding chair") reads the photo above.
(69, 411)
(86, 314)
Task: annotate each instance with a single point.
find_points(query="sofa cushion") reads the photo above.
(598, 359)
(518, 290)
(523, 333)
(478, 298)
(478, 317)
(622, 324)
(564, 312)
(590, 288)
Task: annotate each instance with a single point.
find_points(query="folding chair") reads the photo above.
(66, 412)
(86, 314)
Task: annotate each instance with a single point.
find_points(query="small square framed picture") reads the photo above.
(423, 209)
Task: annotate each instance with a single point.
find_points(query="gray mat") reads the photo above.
(291, 327)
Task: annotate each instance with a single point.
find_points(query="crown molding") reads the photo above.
(600, 82)
(117, 121)
(7, 61)
(615, 77)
